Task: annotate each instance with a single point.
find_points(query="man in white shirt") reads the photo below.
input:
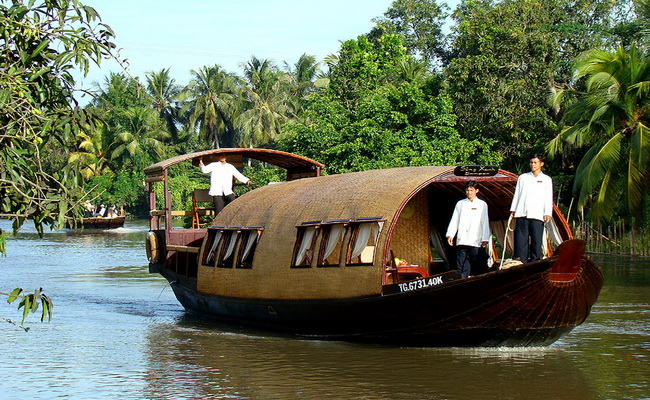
(221, 181)
(532, 207)
(471, 226)
(101, 212)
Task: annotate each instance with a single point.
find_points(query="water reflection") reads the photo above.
(218, 363)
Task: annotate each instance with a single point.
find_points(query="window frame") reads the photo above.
(218, 249)
(309, 251)
(353, 235)
(247, 262)
(327, 227)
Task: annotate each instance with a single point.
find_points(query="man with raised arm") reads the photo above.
(221, 174)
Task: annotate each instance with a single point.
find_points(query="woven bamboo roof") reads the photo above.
(373, 193)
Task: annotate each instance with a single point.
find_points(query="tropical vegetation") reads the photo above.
(409, 92)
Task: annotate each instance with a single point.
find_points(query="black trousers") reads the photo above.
(221, 201)
(528, 239)
(470, 260)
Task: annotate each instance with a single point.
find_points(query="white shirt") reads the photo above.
(221, 178)
(533, 196)
(470, 221)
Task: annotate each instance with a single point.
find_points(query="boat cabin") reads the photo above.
(341, 236)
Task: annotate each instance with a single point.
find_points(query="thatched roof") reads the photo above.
(373, 193)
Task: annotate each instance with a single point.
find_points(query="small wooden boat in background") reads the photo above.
(316, 256)
(100, 223)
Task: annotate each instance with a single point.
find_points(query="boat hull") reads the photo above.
(103, 222)
(521, 306)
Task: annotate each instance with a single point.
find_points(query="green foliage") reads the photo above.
(610, 118)
(371, 116)
(261, 175)
(42, 44)
(507, 54)
(122, 189)
(3, 244)
(420, 22)
(164, 94)
(183, 185)
(30, 303)
(211, 101)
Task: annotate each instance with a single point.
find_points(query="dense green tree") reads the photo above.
(212, 100)
(611, 118)
(305, 77)
(302, 75)
(421, 23)
(118, 93)
(121, 189)
(506, 56)
(370, 118)
(41, 44)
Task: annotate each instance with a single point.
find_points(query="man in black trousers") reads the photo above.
(532, 207)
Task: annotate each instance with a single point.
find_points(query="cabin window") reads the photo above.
(363, 238)
(248, 242)
(303, 252)
(213, 244)
(230, 240)
(229, 247)
(331, 243)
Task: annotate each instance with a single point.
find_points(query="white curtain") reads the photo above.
(231, 245)
(499, 230)
(252, 238)
(554, 233)
(436, 241)
(378, 227)
(213, 248)
(307, 237)
(362, 239)
(333, 240)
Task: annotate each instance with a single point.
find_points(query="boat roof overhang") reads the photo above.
(296, 166)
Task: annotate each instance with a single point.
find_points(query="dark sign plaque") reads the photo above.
(476, 170)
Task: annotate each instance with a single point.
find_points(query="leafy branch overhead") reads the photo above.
(29, 304)
(41, 45)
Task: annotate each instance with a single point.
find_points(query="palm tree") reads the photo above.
(410, 70)
(611, 118)
(93, 154)
(303, 75)
(263, 119)
(212, 100)
(164, 93)
(142, 135)
(267, 103)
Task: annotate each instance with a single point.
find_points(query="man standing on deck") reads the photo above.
(471, 225)
(532, 207)
(221, 181)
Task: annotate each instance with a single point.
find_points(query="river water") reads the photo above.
(118, 333)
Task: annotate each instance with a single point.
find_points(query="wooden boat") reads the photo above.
(102, 222)
(315, 256)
